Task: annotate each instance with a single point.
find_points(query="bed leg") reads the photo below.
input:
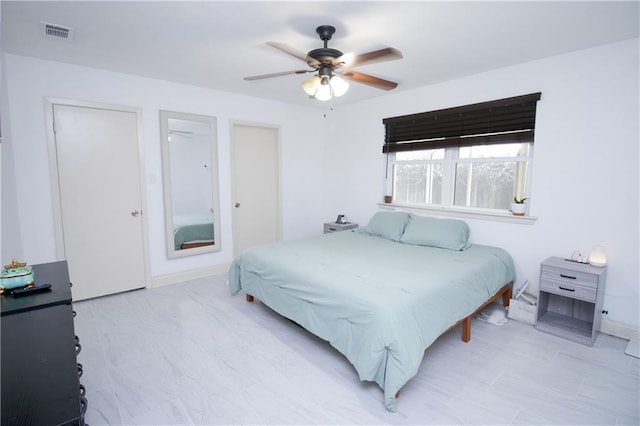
(466, 329)
(249, 298)
(506, 296)
(397, 394)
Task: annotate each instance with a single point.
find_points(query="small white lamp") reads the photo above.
(598, 256)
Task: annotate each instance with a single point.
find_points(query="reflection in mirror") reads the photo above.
(190, 170)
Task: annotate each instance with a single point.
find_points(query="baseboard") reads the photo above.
(191, 274)
(620, 329)
(633, 349)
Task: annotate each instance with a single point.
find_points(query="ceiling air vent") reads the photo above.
(58, 32)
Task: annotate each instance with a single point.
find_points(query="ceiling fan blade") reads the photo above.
(370, 80)
(275, 74)
(294, 52)
(382, 55)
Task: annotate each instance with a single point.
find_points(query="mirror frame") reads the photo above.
(166, 173)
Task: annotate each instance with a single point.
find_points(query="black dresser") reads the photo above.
(40, 374)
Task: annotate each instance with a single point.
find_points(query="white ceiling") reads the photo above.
(215, 44)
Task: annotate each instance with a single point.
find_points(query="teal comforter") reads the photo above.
(380, 303)
(192, 227)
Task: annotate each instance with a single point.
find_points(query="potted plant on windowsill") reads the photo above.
(519, 206)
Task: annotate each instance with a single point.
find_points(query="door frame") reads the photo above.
(55, 184)
(278, 130)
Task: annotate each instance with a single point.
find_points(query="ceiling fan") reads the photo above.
(333, 67)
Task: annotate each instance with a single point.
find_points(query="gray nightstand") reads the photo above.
(570, 301)
(330, 227)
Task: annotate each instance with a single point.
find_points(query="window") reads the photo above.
(418, 176)
(476, 156)
(484, 176)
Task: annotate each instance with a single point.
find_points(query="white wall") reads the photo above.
(585, 176)
(8, 210)
(31, 80)
(585, 170)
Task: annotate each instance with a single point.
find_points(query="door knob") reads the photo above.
(135, 213)
(237, 205)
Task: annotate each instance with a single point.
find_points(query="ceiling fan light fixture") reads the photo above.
(310, 85)
(324, 91)
(324, 87)
(339, 86)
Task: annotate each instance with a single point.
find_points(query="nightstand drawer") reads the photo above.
(569, 277)
(337, 227)
(568, 289)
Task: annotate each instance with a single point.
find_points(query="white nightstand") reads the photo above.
(570, 301)
(330, 227)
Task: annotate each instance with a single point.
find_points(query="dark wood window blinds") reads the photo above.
(499, 121)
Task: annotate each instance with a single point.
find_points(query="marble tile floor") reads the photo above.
(190, 354)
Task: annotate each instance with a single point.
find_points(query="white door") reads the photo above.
(100, 199)
(256, 193)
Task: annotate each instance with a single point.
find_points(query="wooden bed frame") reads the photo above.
(505, 292)
(196, 244)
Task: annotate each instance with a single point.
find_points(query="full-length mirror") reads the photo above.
(190, 171)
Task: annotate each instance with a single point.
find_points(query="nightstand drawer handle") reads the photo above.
(333, 229)
(566, 289)
(567, 276)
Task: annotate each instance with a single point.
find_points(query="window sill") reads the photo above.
(468, 213)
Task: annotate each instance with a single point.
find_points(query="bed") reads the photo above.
(380, 294)
(192, 230)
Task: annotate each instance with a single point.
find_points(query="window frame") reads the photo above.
(447, 207)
